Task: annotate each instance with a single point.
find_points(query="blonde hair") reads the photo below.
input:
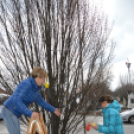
(39, 72)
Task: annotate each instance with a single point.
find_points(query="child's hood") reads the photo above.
(114, 105)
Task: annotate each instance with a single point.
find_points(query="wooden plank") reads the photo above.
(37, 125)
(43, 124)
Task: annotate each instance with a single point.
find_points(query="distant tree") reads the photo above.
(125, 87)
(70, 39)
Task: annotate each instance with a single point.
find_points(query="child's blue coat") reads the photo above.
(112, 121)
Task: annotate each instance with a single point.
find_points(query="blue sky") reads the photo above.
(121, 12)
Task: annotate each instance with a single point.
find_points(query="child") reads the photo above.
(112, 121)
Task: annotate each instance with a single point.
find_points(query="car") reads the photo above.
(3, 98)
(128, 115)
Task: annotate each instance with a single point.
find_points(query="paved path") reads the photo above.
(3, 129)
(95, 119)
(129, 128)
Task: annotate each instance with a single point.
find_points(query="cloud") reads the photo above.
(124, 40)
(121, 12)
(118, 69)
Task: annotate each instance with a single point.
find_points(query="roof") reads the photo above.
(2, 91)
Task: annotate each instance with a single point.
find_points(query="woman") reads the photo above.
(112, 121)
(26, 92)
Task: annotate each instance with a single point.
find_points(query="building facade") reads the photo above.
(131, 100)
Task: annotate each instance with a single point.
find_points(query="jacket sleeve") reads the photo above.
(40, 101)
(111, 124)
(18, 99)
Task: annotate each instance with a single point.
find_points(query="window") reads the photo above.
(132, 100)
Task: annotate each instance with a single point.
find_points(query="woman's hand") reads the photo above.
(57, 112)
(35, 115)
(93, 125)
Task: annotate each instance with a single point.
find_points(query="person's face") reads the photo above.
(104, 104)
(40, 80)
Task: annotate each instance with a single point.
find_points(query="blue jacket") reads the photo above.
(112, 121)
(26, 92)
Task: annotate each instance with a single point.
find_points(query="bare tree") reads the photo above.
(125, 87)
(70, 39)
